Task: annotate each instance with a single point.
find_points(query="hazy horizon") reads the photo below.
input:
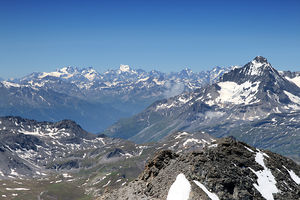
(165, 35)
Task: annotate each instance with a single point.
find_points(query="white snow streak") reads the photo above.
(211, 195)
(17, 189)
(181, 134)
(293, 176)
(107, 183)
(249, 149)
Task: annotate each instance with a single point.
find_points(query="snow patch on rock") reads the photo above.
(295, 99)
(10, 84)
(266, 183)
(193, 140)
(180, 189)
(231, 92)
(295, 80)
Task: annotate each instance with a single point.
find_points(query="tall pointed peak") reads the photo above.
(258, 66)
(260, 59)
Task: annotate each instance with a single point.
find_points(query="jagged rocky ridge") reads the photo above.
(227, 169)
(244, 98)
(94, 100)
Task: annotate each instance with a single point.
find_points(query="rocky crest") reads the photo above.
(227, 169)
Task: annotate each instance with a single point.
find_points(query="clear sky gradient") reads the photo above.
(164, 35)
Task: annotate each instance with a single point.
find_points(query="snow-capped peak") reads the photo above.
(72, 73)
(124, 68)
(257, 65)
(65, 72)
(89, 73)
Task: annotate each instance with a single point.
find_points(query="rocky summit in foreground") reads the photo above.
(227, 169)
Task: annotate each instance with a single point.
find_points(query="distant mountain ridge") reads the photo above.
(242, 97)
(120, 79)
(95, 100)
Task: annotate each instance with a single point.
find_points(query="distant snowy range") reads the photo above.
(95, 100)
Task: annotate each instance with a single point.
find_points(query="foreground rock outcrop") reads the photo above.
(227, 169)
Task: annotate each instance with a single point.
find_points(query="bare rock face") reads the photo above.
(228, 169)
(159, 162)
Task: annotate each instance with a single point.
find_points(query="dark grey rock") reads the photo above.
(225, 169)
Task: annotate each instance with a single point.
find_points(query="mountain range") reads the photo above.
(94, 100)
(254, 103)
(178, 147)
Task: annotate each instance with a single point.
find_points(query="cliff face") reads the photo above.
(227, 169)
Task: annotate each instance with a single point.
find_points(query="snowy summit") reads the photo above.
(124, 68)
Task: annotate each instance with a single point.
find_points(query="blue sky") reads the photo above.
(164, 35)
